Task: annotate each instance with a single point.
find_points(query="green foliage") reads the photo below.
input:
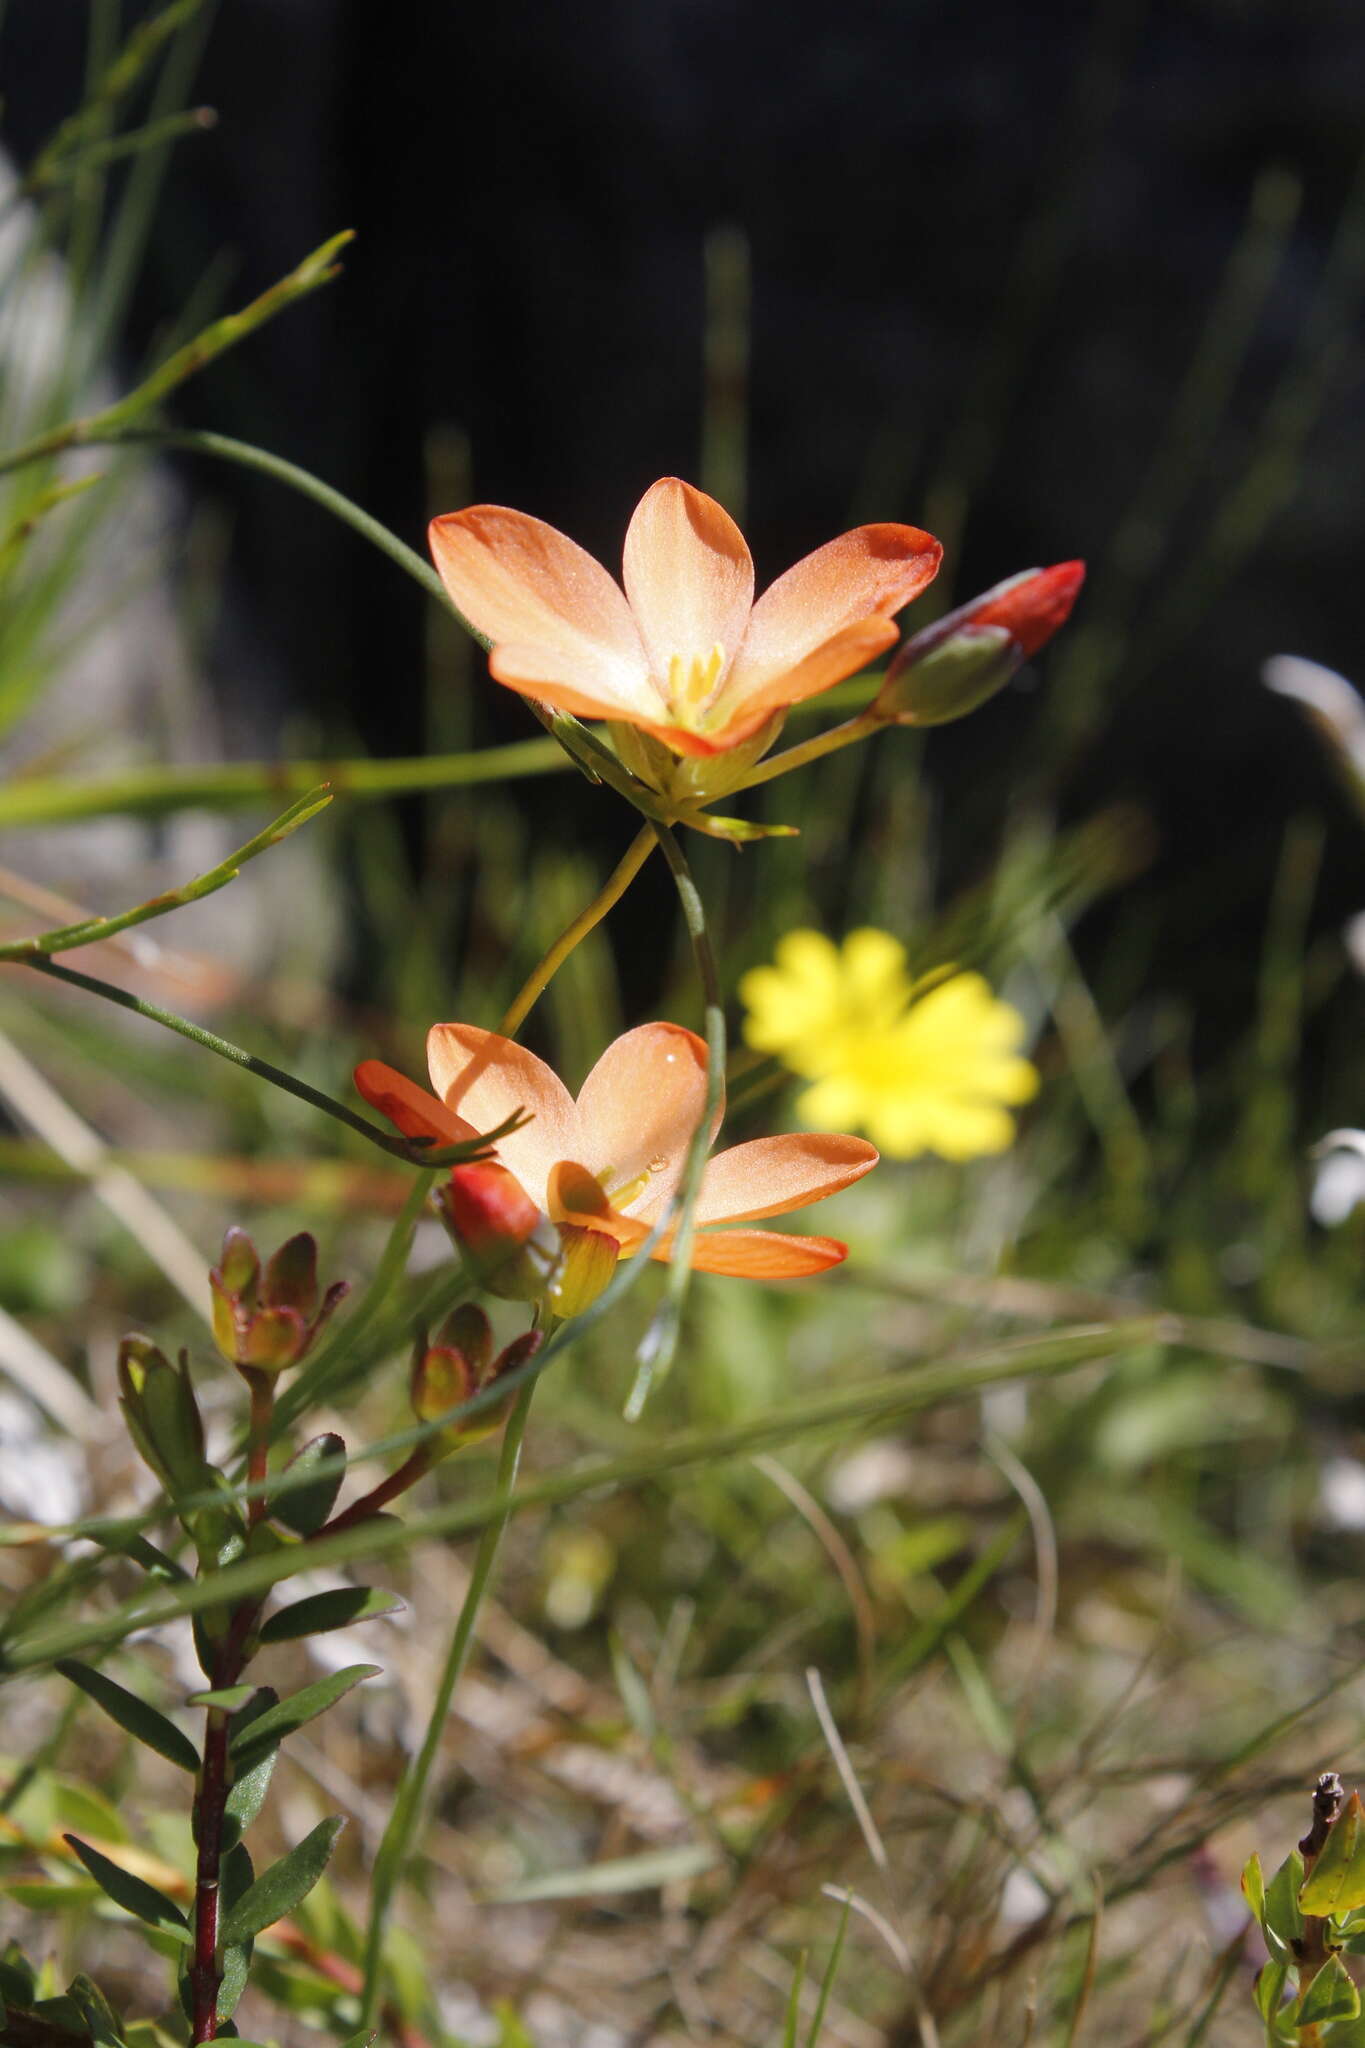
(132, 1714)
(283, 1886)
(321, 1612)
(134, 1894)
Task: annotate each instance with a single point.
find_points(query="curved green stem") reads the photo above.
(230, 785)
(407, 1809)
(660, 1341)
(399, 1148)
(845, 735)
(611, 892)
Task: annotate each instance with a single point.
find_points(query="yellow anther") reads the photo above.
(692, 680)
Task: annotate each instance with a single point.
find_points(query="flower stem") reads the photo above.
(407, 1809)
(845, 735)
(614, 888)
(263, 1070)
(259, 1431)
(660, 1341)
(204, 1973)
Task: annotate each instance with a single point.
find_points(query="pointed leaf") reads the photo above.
(284, 1886)
(1253, 1888)
(1330, 1996)
(252, 1780)
(1283, 1921)
(132, 1714)
(291, 1713)
(323, 1611)
(305, 1504)
(134, 1894)
(1336, 1883)
(1269, 1992)
(229, 1697)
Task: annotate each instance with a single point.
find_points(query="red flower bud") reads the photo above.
(1033, 606)
(266, 1324)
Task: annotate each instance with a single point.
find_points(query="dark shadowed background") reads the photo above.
(1051, 281)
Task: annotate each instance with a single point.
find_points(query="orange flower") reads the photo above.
(684, 653)
(610, 1161)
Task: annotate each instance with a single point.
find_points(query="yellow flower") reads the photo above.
(927, 1066)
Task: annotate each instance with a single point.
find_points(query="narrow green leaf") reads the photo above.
(304, 1506)
(633, 1690)
(1270, 1983)
(231, 1697)
(1336, 1883)
(281, 1888)
(831, 1972)
(1283, 1919)
(252, 1781)
(605, 1880)
(793, 2014)
(132, 1714)
(323, 1611)
(291, 1713)
(1253, 1888)
(1330, 1996)
(134, 1894)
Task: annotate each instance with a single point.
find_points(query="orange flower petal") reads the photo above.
(850, 649)
(688, 575)
(525, 584)
(761, 1254)
(485, 1077)
(638, 1109)
(573, 1195)
(869, 573)
(415, 1113)
(769, 1176)
(542, 673)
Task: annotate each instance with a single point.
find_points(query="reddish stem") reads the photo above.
(262, 1385)
(204, 1975)
(413, 1468)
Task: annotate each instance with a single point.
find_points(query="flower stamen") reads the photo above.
(692, 685)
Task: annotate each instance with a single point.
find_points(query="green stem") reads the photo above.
(614, 888)
(844, 735)
(263, 1070)
(660, 1341)
(156, 792)
(407, 1810)
(245, 456)
(88, 931)
(346, 1337)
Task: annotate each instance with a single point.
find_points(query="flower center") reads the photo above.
(692, 685)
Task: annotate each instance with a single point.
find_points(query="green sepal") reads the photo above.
(949, 680)
(132, 1714)
(134, 1894)
(283, 1886)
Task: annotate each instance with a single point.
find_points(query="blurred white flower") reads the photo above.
(1339, 1182)
(1334, 706)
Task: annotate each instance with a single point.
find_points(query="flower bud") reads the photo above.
(457, 1366)
(162, 1415)
(268, 1324)
(497, 1226)
(956, 664)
